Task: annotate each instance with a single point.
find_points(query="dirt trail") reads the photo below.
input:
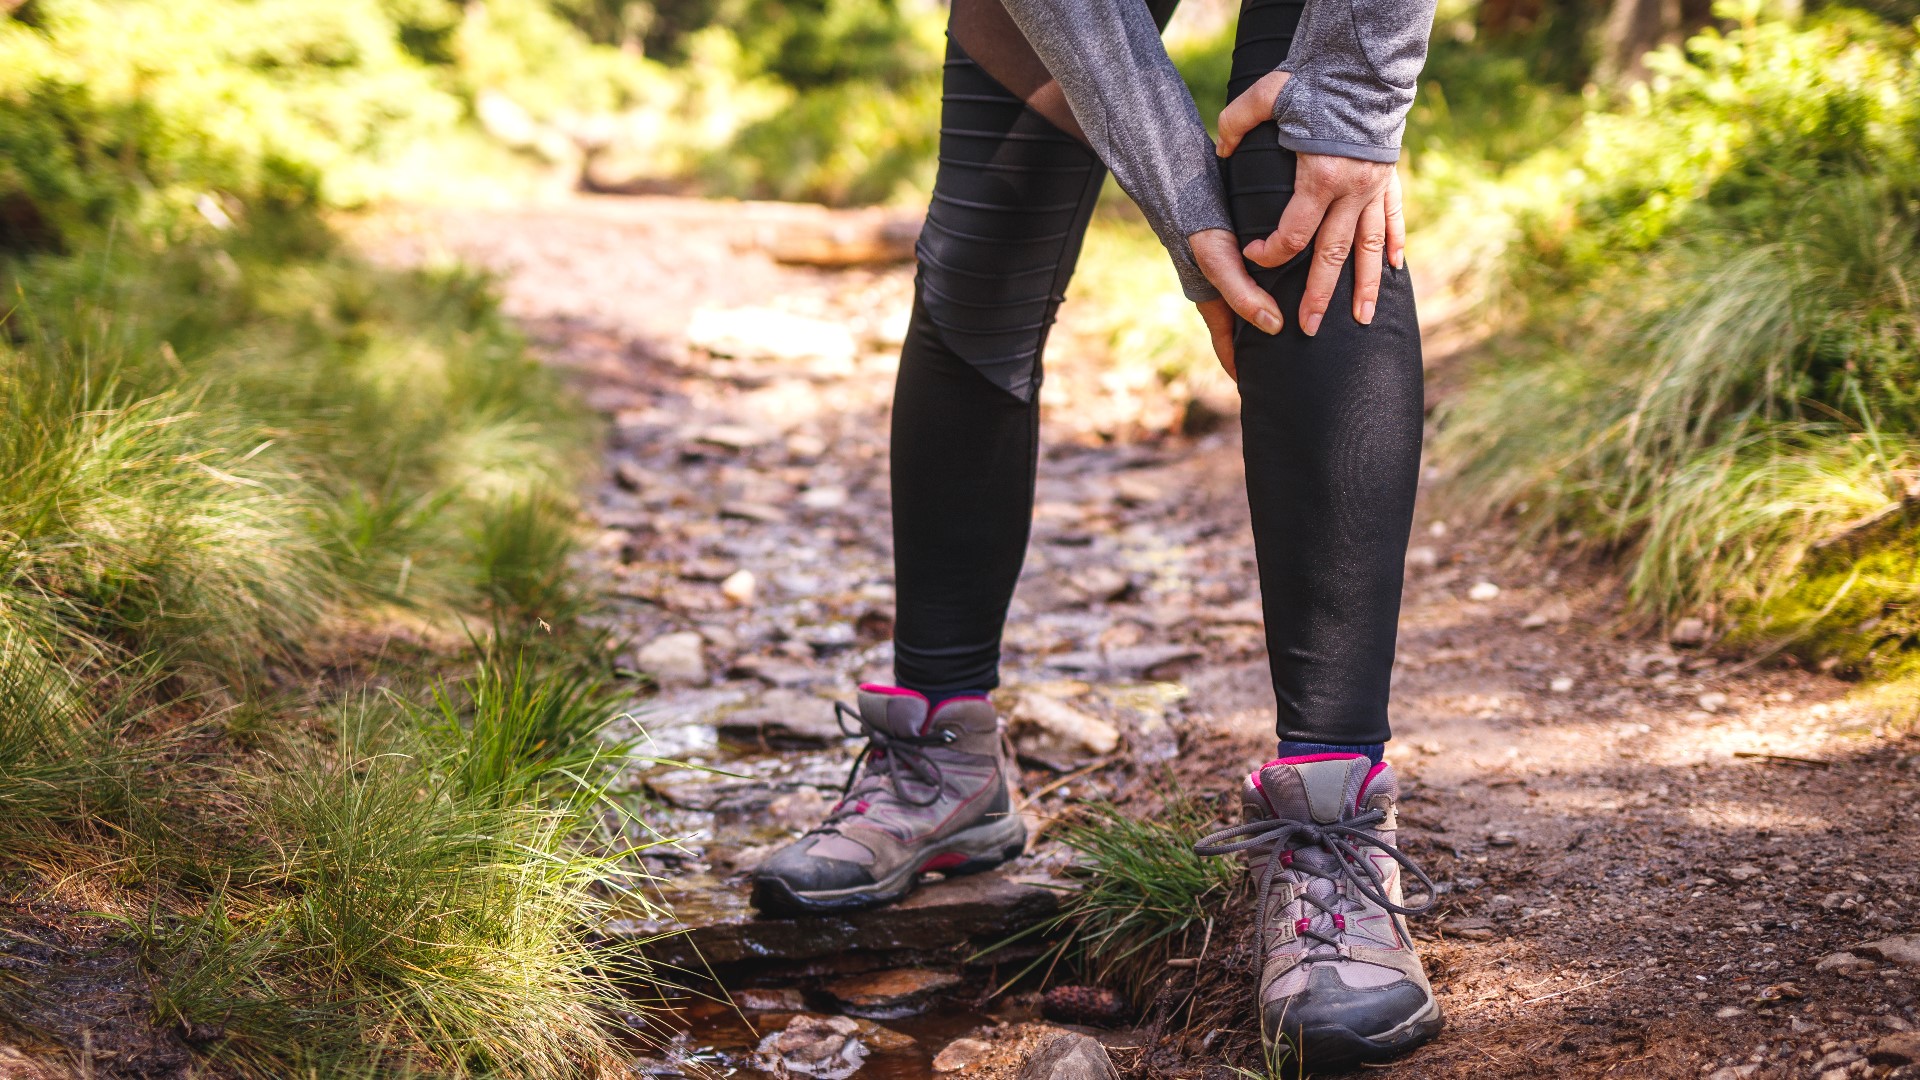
(1646, 854)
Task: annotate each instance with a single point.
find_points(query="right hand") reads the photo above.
(1217, 253)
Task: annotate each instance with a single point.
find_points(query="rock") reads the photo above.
(753, 511)
(805, 448)
(1904, 951)
(1561, 684)
(1422, 557)
(1728, 1012)
(1483, 591)
(1713, 701)
(630, 474)
(739, 587)
(1688, 633)
(733, 436)
(1122, 664)
(1501, 839)
(961, 1053)
(765, 334)
(884, 1039)
(845, 238)
(1132, 489)
(784, 720)
(887, 994)
(773, 670)
(798, 809)
(966, 913)
(1744, 872)
(828, 1048)
(784, 999)
(1734, 1072)
(674, 658)
(826, 497)
(1069, 1056)
(1095, 1006)
(1900, 1048)
(1472, 929)
(1099, 584)
(1050, 730)
(1844, 963)
(1556, 610)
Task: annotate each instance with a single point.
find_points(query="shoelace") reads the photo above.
(885, 753)
(1344, 842)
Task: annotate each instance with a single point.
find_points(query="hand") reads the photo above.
(1339, 205)
(1217, 253)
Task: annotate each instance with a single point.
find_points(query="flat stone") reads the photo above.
(784, 720)
(1900, 1048)
(733, 436)
(750, 333)
(887, 994)
(1128, 662)
(1842, 962)
(1069, 1056)
(753, 511)
(676, 657)
(961, 1053)
(774, 671)
(940, 917)
(783, 999)
(1904, 951)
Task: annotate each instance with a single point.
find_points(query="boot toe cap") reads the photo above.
(1329, 1004)
(804, 872)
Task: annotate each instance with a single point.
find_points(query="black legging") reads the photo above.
(1331, 424)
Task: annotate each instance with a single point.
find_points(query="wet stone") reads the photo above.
(782, 999)
(828, 1048)
(784, 720)
(960, 1054)
(887, 994)
(966, 913)
(1069, 1056)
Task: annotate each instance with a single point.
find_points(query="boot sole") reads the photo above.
(980, 848)
(1330, 1048)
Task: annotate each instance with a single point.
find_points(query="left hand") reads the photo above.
(1339, 205)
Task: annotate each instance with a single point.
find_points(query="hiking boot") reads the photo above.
(1341, 984)
(929, 793)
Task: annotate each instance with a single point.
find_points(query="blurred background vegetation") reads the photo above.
(1670, 249)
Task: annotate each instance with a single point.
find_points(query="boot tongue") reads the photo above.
(892, 710)
(1322, 789)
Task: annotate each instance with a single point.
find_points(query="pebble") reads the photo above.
(739, 587)
(1734, 1072)
(1422, 557)
(784, 999)
(1688, 633)
(1729, 1012)
(1501, 839)
(732, 436)
(1556, 610)
(826, 497)
(755, 333)
(960, 1053)
(674, 658)
(763, 513)
(1842, 962)
(804, 448)
(1561, 684)
(1713, 701)
(1483, 591)
(1744, 872)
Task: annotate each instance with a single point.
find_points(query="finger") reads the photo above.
(1252, 108)
(1396, 223)
(1219, 319)
(1298, 223)
(1330, 248)
(1369, 245)
(1217, 254)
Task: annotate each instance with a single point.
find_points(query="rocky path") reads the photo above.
(1654, 861)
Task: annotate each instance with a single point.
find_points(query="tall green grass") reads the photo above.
(1712, 371)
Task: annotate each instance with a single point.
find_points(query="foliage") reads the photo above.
(1139, 892)
(1713, 369)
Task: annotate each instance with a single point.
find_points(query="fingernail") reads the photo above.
(1366, 313)
(1311, 325)
(1400, 260)
(1268, 321)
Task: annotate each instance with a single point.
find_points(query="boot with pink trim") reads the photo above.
(1341, 984)
(930, 792)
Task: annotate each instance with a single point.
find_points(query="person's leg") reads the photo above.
(1331, 427)
(1010, 205)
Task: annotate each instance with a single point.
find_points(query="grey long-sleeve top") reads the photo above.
(1353, 67)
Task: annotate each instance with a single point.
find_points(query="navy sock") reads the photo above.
(1373, 751)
